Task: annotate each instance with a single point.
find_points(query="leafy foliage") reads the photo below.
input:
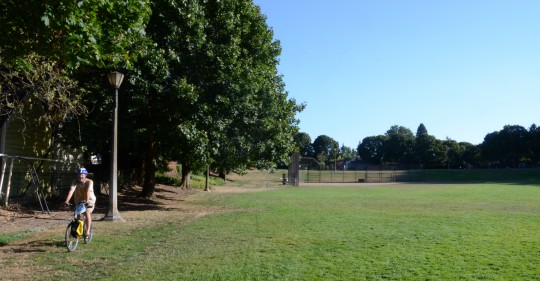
(43, 83)
(210, 78)
(303, 144)
(510, 146)
(513, 146)
(429, 151)
(371, 149)
(74, 33)
(325, 149)
(398, 146)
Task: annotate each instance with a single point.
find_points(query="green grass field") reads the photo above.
(394, 232)
(431, 232)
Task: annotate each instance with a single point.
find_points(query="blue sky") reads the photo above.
(462, 68)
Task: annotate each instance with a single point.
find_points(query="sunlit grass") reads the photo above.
(6, 238)
(404, 232)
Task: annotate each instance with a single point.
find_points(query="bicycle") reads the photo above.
(72, 236)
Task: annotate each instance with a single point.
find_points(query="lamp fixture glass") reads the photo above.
(115, 79)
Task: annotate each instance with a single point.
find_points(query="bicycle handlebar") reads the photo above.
(71, 204)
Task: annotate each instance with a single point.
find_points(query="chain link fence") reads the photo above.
(362, 176)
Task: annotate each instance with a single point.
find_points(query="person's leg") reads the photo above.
(91, 205)
(88, 214)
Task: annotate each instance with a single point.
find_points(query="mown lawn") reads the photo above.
(397, 232)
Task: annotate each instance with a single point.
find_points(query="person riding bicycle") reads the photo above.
(83, 189)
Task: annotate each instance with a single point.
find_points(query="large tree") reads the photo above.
(325, 149)
(398, 146)
(534, 143)
(371, 149)
(252, 121)
(302, 141)
(421, 130)
(347, 153)
(471, 155)
(508, 147)
(218, 99)
(428, 150)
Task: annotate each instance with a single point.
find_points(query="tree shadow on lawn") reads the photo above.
(129, 199)
(25, 216)
(36, 246)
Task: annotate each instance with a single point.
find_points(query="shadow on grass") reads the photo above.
(38, 246)
(130, 200)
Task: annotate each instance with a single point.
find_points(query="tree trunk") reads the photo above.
(207, 184)
(186, 173)
(223, 175)
(149, 182)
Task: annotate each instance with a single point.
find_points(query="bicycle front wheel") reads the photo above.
(71, 242)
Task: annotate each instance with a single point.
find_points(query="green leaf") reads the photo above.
(45, 20)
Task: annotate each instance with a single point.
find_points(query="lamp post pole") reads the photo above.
(115, 79)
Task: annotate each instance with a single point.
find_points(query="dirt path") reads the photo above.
(17, 218)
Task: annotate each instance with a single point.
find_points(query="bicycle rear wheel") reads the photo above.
(71, 242)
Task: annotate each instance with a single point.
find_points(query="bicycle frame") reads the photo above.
(72, 241)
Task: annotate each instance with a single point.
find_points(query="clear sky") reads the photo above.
(463, 68)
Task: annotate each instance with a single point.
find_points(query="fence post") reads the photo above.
(4, 163)
(366, 174)
(8, 186)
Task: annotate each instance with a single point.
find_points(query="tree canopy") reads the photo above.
(45, 45)
(201, 86)
(325, 149)
(302, 141)
(221, 101)
(73, 33)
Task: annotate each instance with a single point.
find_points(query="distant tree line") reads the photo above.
(512, 147)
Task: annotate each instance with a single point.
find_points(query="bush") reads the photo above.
(166, 180)
(197, 181)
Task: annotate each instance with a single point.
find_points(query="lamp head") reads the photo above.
(115, 79)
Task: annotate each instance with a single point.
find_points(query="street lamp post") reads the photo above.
(115, 79)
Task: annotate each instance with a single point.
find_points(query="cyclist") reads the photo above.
(83, 189)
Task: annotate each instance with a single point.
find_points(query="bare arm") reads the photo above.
(89, 190)
(70, 193)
